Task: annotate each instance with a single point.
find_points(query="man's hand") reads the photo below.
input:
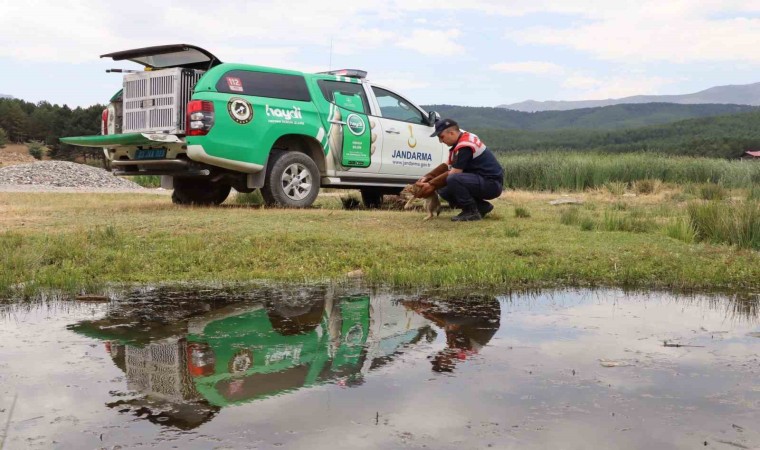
(422, 181)
(426, 190)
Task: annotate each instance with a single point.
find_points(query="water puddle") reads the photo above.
(319, 367)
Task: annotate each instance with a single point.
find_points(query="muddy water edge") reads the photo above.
(352, 367)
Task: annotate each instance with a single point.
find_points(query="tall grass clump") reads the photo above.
(522, 212)
(570, 216)
(726, 223)
(249, 199)
(753, 193)
(616, 187)
(647, 186)
(577, 171)
(681, 229)
(712, 191)
(615, 221)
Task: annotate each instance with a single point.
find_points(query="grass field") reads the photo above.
(81, 242)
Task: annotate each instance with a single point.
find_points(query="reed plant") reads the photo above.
(577, 171)
(681, 229)
(712, 191)
(616, 187)
(726, 223)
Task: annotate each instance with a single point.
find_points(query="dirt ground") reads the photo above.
(15, 154)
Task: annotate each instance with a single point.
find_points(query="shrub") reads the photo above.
(3, 138)
(522, 212)
(37, 149)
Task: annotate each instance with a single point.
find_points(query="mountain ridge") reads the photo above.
(737, 94)
(599, 118)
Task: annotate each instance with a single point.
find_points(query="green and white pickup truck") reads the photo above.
(206, 126)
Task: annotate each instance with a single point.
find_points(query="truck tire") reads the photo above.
(292, 180)
(199, 191)
(372, 198)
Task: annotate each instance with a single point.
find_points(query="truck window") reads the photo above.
(264, 84)
(394, 107)
(350, 96)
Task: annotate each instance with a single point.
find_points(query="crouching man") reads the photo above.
(472, 175)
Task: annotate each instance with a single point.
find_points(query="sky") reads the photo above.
(472, 53)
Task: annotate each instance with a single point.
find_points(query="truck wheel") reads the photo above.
(198, 191)
(292, 180)
(372, 197)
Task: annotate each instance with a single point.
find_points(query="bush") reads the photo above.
(3, 138)
(37, 149)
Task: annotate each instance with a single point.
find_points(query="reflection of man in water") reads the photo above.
(469, 326)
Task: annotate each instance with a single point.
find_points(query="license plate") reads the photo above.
(150, 153)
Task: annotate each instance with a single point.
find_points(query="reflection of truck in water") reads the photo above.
(237, 354)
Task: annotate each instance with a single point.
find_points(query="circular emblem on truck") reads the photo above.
(355, 124)
(240, 110)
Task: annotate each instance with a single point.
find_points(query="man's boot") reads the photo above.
(484, 208)
(467, 215)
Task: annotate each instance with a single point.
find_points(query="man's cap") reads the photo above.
(441, 125)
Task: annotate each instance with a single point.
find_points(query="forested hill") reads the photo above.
(724, 136)
(602, 118)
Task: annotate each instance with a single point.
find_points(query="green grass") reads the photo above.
(249, 199)
(577, 171)
(139, 238)
(146, 181)
(522, 212)
(727, 223)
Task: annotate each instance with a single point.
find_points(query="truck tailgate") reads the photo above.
(122, 140)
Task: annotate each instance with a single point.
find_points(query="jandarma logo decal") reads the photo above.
(355, 124)
(240, 110)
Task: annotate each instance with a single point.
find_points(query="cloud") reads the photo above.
(647, 31)
(530, 67)
(432, 42)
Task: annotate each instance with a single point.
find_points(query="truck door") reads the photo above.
(407, 148)
(349, 133)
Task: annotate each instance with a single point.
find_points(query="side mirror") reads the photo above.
(432, 117)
